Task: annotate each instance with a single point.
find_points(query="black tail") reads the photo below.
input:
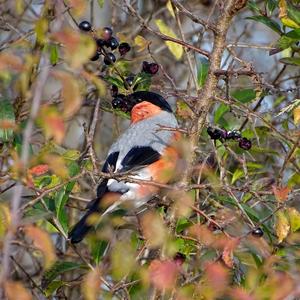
(81, 229)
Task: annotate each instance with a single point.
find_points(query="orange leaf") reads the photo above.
(42, 242)
(15, 290)
(10, 61)
(163, 274)
(39, 170)
(240, 294)
(70, 93)
(78, 7)
(227, 254)
(281, 194)
(78, 48)
(52, 123)
(91, 285)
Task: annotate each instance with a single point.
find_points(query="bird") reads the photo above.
(147, 149)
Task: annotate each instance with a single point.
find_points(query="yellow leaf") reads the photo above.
(91, 285)
(289, 22)
(78, 48)
(282, 226)
(176, 50)
(99, 84)
(57, 165)
(296, 113)
(282, 8)
(5, 219)
(294, 216)
(170, 8)
(52, 123)
(42, 242)
(123, 260)
(141, 43)
(70, 93)
(153, 229)
(15, 290)
(41, 28)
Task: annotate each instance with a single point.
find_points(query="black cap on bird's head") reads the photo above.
(126, 103)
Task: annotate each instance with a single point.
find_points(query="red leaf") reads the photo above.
(39, 170)
(163, 274)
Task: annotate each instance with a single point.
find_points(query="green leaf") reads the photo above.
(7, 120)
(57, 269)
(294, 34)
(98, 249)
(244, 96)
(253, 6)
(100, 3)
(268, 22)
(285, 42)
(271, 5)
(142, 82)
(73, 168)
(202, 71)
(182, 224)
(114, 80)
(295, 61)
(175, 49)
(53, 54)
(61, 199)
(53, 287)
(294, 13)
(220, 111)
(238, 173)
(71, 154)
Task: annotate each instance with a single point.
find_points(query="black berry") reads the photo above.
(234, 135)
(100, 43)
(129, 80)
(124, 48)
(85, 26)
(119, 102)
(150, 68)
(109, 59)
(95, 57)
(257, 232)
(245, 144)
(113, 43)
(216, 134)
(107, 33)
(153, 68)
(114, 90)
(145, 66)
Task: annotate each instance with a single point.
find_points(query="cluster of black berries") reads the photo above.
(222, 134)
(149, 68)
(106, 41)
(124, 103)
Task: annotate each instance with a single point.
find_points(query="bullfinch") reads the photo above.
(146, 149)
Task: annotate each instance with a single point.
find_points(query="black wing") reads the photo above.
(81, 228)
(138, 157)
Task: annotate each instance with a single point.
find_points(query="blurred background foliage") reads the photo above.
(232, 232)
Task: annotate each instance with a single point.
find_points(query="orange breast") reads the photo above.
(143, 111)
